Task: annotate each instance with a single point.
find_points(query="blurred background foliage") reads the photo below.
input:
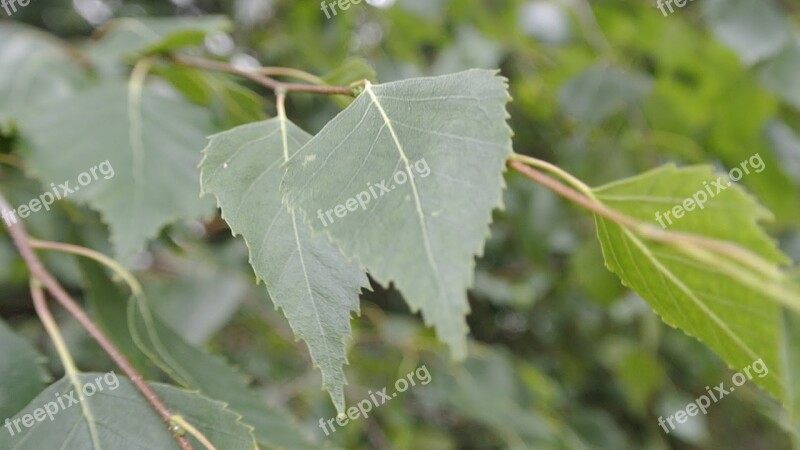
(564, 357)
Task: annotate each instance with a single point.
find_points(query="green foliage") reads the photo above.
(455, 126)
(117, 416)
(305, 276)
(733, 310)
(554, 351)
(195, 369)
(154, 157)
(23, 378)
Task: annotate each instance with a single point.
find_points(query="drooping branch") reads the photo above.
(20, 238)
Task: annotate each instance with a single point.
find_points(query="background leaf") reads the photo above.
(195, 369)
(23, 377)
(152, 144)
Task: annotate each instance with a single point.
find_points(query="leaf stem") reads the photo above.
(555, 170)
(294, 73)
(259, 77)
(50, 325)
(682, 241)
(20, 238)
(130, 280)
(189, 428)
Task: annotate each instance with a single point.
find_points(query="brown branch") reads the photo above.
(674, 238)
(574, 196)
(257, 76)
(37, 270)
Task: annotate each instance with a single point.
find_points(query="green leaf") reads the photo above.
(195, 369)
(129, 36)
(791, 323)
(786, 145)
(233, 103)
(305, 276)
(754, 30)
(779, 74)
(521, 417)
(38, 70)
(450, 134)
(727, 306)
(600, 91)
(203, 292)
(350, 71)
(23, 377)
(150, 138)
(108, 304)
(119, 417)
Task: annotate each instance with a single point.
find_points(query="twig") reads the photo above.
(123, 273)
(189, 428)
(257, 76)
(293, 73)
(20, 238)
(677, 239)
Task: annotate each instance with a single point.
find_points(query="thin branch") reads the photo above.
(50, 325)
(123, 273)
(289, 72)
(21, 240)
(677, 239)
(189, 428)
(258, 77)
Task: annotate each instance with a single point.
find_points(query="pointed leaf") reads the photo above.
(738, 318)
(306, 277)
(450, 133)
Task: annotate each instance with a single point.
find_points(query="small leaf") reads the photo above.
(350, 71)
(306, 277)
(447, 138)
